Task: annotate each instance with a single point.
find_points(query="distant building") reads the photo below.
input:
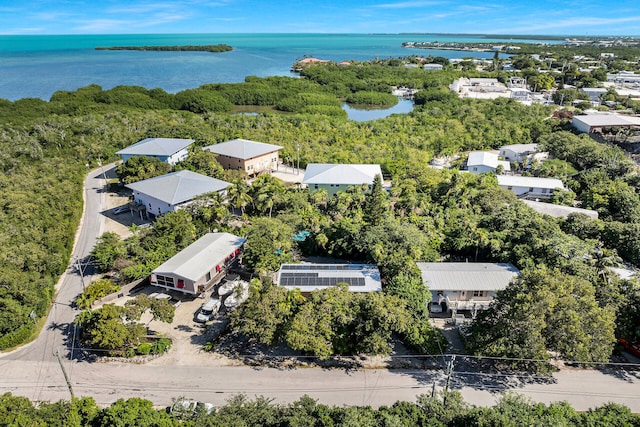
(559, 211)
(466, 285)
(433, 67)
(595, 122)
(525, 154)
(337, 177)
(199, 266)
(313, 277)
(249, 156)
(174, 190)
(529, 186)
(483, 161)
(169, 150)
(595, 94)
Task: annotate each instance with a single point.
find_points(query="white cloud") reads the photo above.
(578, 23)
(407, 4)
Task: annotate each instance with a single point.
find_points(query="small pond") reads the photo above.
(368, 113)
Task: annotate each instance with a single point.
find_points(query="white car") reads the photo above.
(434, 307)
(120, 209)
(208, 310)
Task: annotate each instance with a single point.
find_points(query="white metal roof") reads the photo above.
(312, 277)
(607, 120)
(558, 211)
(156, 147)
(521, 148)
(485, 158)
(202, 256)
(349, 174)
(529, 181)
(482, 158)
(178, 187)
(242, 148)
(467, 276)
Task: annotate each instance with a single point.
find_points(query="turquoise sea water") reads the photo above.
(38, 66)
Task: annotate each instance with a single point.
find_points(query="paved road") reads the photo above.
(35, 372)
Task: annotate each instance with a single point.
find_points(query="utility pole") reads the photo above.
(449, 372)
(104, 176)
(79, 268)
(64, 372)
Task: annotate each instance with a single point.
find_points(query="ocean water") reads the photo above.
(38, 66)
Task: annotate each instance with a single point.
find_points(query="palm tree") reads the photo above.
(238, 195)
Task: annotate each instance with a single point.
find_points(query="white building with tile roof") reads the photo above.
(169, 150)
(337, 177)
(167, 193)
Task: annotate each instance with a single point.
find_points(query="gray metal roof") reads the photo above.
(529, 181)
(202, 256)
(242, 148)
(312, 277)
(467, 276)
(178, 187)
(521, 148)
(350, 174)
(607, 120)
(156, 147)
(558, 211)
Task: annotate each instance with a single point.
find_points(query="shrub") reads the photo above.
(144, 349)
(161, 346)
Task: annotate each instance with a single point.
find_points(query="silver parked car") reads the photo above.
(208, 310)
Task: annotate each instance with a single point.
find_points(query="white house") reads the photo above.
(169, 150)
(312, 277)
(199, 266)
(337, 177)
(525, 154)
(249, 156)
(482, 88)
(529, 186)
(170, 192)
(433, 67)
(466, 285)
(518, 152)
(484, 161)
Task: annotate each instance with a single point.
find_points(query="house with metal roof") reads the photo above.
(595, 122)
(313, 277)
(199, 266)
(245, 155)
(530, 186)
(558, 211)
(517, 152)
(337, 177)
(466, 285)
(170, 192)
(484, 161)
(169, 150)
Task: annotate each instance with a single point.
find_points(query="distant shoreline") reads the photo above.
(203, 48)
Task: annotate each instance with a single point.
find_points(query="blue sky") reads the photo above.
(569, 17)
